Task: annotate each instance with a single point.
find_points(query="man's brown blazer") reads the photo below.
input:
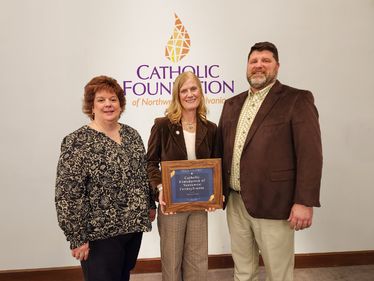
(281, 162)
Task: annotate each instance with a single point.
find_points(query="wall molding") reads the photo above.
(73, 273)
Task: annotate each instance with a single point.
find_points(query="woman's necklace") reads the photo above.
(190, 126)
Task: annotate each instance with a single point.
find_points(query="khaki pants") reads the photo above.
(273, 238)
(184, 246)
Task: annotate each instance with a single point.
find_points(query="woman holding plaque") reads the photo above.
(103, 197)
(184, 134)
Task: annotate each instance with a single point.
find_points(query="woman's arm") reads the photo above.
(70, 199)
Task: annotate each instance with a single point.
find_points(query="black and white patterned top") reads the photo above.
(102, 189)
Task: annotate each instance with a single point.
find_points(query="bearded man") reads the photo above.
(270, 143)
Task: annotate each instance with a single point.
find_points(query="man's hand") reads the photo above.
(300, 217)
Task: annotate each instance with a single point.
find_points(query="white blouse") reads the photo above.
(189, 139)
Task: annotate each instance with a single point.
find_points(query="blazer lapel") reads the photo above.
(176, 132)
(270, 99)
(201, 131)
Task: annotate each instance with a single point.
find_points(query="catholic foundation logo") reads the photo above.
(153, 84)
(179, 43)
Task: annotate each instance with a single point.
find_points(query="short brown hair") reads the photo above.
(265, 46)
(97, 84)
(174, 111)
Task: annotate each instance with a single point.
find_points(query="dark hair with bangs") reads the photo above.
(97, 84)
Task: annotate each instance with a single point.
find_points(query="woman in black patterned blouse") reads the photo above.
(103, 196)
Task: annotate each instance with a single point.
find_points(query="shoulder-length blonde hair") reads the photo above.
(174, 111)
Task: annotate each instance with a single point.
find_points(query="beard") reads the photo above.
(260, 81)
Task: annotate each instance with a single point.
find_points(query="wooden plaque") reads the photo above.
(192, 185)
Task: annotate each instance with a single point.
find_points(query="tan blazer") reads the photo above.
(281, 162)
(166, 143)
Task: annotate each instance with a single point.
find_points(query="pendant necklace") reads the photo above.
(189, 126)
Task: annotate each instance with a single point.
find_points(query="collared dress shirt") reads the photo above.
(247, 115)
